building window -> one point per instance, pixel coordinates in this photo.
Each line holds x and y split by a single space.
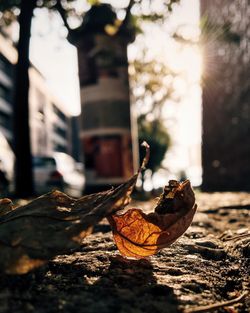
6 67
60 131
5 93
59 147
5 120
59 113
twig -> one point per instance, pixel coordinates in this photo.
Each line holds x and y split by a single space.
128 12
62 13
146 158
212 307
243 236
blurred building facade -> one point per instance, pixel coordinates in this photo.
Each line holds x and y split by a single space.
226 98
51 126
7 59
107 134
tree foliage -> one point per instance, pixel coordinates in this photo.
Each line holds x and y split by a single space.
156 135
136 10
151 83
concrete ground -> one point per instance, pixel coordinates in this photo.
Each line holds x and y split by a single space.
207 266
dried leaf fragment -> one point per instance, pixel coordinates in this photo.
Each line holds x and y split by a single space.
6 206
140 235
52 224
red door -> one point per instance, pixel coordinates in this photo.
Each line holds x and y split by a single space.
108 159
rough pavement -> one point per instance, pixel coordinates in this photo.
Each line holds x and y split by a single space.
208 265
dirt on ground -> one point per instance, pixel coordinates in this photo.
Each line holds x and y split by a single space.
207 266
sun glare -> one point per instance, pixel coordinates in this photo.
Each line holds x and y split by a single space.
192 63
187 64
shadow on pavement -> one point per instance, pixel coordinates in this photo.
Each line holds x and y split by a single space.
125 286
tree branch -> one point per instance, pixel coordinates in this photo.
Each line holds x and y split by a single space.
128 11
58 6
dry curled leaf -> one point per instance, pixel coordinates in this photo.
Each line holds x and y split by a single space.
140 235
52 224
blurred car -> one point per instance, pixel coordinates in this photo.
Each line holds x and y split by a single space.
59 171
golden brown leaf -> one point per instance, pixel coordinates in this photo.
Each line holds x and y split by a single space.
140 235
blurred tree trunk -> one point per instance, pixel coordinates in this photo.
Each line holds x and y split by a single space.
23 171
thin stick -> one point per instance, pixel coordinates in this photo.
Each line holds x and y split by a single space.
243 236
146 158
212 307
